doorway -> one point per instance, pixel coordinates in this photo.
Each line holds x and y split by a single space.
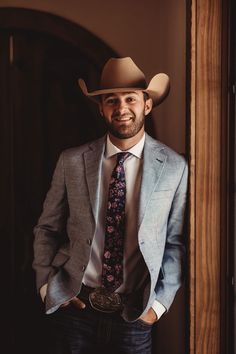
42 112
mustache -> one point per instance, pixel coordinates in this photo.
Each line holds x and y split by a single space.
125 115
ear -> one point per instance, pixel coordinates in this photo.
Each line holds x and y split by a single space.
100 109
148 106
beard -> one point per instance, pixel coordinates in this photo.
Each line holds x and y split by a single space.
125 131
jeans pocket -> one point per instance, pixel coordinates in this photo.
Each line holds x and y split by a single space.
144 323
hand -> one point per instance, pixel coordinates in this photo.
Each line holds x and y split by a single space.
76 302
150 317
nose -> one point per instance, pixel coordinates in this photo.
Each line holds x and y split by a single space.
122 107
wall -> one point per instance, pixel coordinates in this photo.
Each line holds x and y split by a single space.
153 35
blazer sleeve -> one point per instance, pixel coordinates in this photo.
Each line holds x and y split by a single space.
50 230
171 272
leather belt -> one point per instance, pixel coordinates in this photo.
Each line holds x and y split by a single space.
102 300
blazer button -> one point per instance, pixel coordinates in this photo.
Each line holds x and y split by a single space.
89 241
83 268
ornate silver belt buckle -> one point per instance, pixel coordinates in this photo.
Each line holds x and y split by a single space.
102 300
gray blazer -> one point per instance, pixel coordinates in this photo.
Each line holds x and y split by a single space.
67 225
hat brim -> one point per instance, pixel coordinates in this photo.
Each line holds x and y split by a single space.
158 89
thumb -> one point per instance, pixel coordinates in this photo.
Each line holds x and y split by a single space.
78 303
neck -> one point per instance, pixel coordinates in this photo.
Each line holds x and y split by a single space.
126 144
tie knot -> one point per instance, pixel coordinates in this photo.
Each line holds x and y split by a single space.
122 156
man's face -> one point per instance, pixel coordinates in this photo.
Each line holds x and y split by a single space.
125 113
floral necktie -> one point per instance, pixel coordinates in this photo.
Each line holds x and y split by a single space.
112 270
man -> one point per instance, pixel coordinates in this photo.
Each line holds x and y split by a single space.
108 246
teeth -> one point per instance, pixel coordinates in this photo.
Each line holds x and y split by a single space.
124 119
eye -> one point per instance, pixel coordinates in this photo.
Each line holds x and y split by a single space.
130 99
111 101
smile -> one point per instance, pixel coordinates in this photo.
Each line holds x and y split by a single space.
123 119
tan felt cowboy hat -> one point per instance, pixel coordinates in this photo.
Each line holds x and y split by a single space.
123 75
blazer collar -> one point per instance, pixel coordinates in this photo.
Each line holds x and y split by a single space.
154 159
93 165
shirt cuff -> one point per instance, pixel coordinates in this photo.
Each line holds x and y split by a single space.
159 309
43 291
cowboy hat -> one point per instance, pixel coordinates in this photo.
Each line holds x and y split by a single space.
123 75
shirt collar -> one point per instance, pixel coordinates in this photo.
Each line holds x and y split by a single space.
136 150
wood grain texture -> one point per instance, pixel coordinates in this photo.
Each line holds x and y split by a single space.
205 176
192 182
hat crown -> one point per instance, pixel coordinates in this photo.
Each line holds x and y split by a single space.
123 75
122 72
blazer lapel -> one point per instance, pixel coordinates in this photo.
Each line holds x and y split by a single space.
93 166
153 164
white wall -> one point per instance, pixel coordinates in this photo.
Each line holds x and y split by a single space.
152 32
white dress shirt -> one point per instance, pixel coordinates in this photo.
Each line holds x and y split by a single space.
135 270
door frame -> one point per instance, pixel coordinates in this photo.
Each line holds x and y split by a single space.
208 95
93 47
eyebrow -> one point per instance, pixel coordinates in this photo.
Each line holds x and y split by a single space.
114 95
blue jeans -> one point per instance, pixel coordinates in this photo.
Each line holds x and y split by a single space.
88 331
